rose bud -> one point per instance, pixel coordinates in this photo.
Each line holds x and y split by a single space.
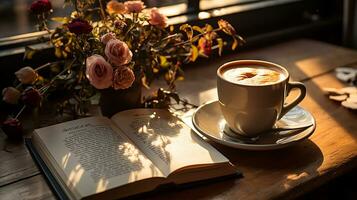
114 7
226 27
105 38
40 6
123 78
10 95
118 52
26 75
13 129
157 19
31 97
134 6
99 72
79 26
205 46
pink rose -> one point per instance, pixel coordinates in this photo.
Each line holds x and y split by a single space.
123 78
105 38
10 95
99 72
114 7
118 52
134 6
157 19
26 75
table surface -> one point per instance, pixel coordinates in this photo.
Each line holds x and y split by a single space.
330 152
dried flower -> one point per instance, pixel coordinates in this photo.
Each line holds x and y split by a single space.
13 129
114 7
11 95
123 78
99 72
118 52
226 27
157 19
107 37
40 6
26 75
119 24
31 97
134 6
79 26
205 46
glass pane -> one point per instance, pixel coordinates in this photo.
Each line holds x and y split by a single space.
210 4
15 18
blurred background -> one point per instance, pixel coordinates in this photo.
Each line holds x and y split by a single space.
260 22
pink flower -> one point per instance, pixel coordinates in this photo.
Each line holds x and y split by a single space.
13 129
10 95
79 26
114 7
40 6
107 37
118 52
123 78
99 72
157 19
31 97
26 75
134 6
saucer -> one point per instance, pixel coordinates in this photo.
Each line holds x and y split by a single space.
209 121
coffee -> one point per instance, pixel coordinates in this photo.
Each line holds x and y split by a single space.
251 95
253 75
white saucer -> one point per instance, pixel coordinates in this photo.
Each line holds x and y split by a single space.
209 121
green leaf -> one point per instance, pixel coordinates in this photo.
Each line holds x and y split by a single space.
194 53
188 30
235 43
220 46
62 20
29 52
198 29
144 82
163 62
208 28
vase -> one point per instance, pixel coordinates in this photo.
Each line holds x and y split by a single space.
112 101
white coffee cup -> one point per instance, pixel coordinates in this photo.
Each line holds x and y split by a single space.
250 109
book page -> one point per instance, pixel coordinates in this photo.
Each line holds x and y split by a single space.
166 140
93 156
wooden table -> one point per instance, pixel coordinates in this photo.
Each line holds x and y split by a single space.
330 152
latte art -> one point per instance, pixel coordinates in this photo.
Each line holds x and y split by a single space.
253 75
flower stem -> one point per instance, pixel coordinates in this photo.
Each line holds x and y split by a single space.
102 12
197 36
19 113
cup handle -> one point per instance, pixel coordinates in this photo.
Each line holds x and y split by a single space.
297 100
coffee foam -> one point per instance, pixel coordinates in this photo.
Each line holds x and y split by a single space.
253 75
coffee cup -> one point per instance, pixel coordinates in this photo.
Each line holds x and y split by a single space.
252 95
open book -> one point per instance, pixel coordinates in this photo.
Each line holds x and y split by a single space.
133 152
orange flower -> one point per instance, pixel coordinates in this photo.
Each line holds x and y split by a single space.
226 27
205 46
114 7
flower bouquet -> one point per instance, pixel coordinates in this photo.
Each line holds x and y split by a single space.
112 46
